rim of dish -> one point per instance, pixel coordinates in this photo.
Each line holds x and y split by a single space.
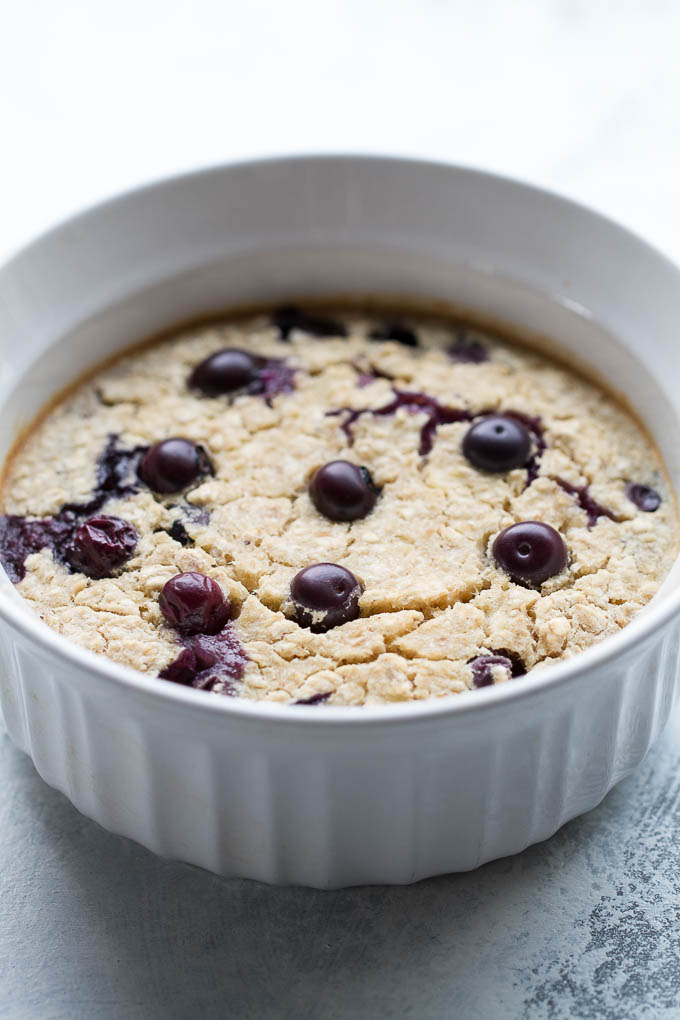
652 619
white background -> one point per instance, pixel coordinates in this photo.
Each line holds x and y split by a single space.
582 96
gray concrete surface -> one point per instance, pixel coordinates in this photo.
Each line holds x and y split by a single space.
585 925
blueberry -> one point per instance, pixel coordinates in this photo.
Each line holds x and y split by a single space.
194 604
643 497
342 491
100 546
497 443
482 666
225 371
208 662
398 333
466 351
530 552
173 465
482 669
291 317
325 595
179 533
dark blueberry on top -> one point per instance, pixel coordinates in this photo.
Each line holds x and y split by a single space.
342 491
466 351
497 443
482 666
644 498
530 552
194 604
179 533
482 669
225 371
208 662
291 317
397 332
173 465
325 595
100 546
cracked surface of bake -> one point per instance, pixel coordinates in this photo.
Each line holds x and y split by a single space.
434 600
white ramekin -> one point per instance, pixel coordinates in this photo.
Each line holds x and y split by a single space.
334 797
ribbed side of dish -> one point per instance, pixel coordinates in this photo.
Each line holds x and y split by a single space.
341 806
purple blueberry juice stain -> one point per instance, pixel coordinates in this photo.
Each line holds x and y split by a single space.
274 377
414 402
208 661
315 699
116 478
19 538
593 509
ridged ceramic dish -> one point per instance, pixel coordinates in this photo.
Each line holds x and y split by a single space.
342 796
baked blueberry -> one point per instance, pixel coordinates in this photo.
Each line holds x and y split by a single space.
194 604
466 351
497 443
483 666
173 465
397 332
643 497
179 533
325 595
208 662
530 552
342 491
315 324
100 546
225 371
